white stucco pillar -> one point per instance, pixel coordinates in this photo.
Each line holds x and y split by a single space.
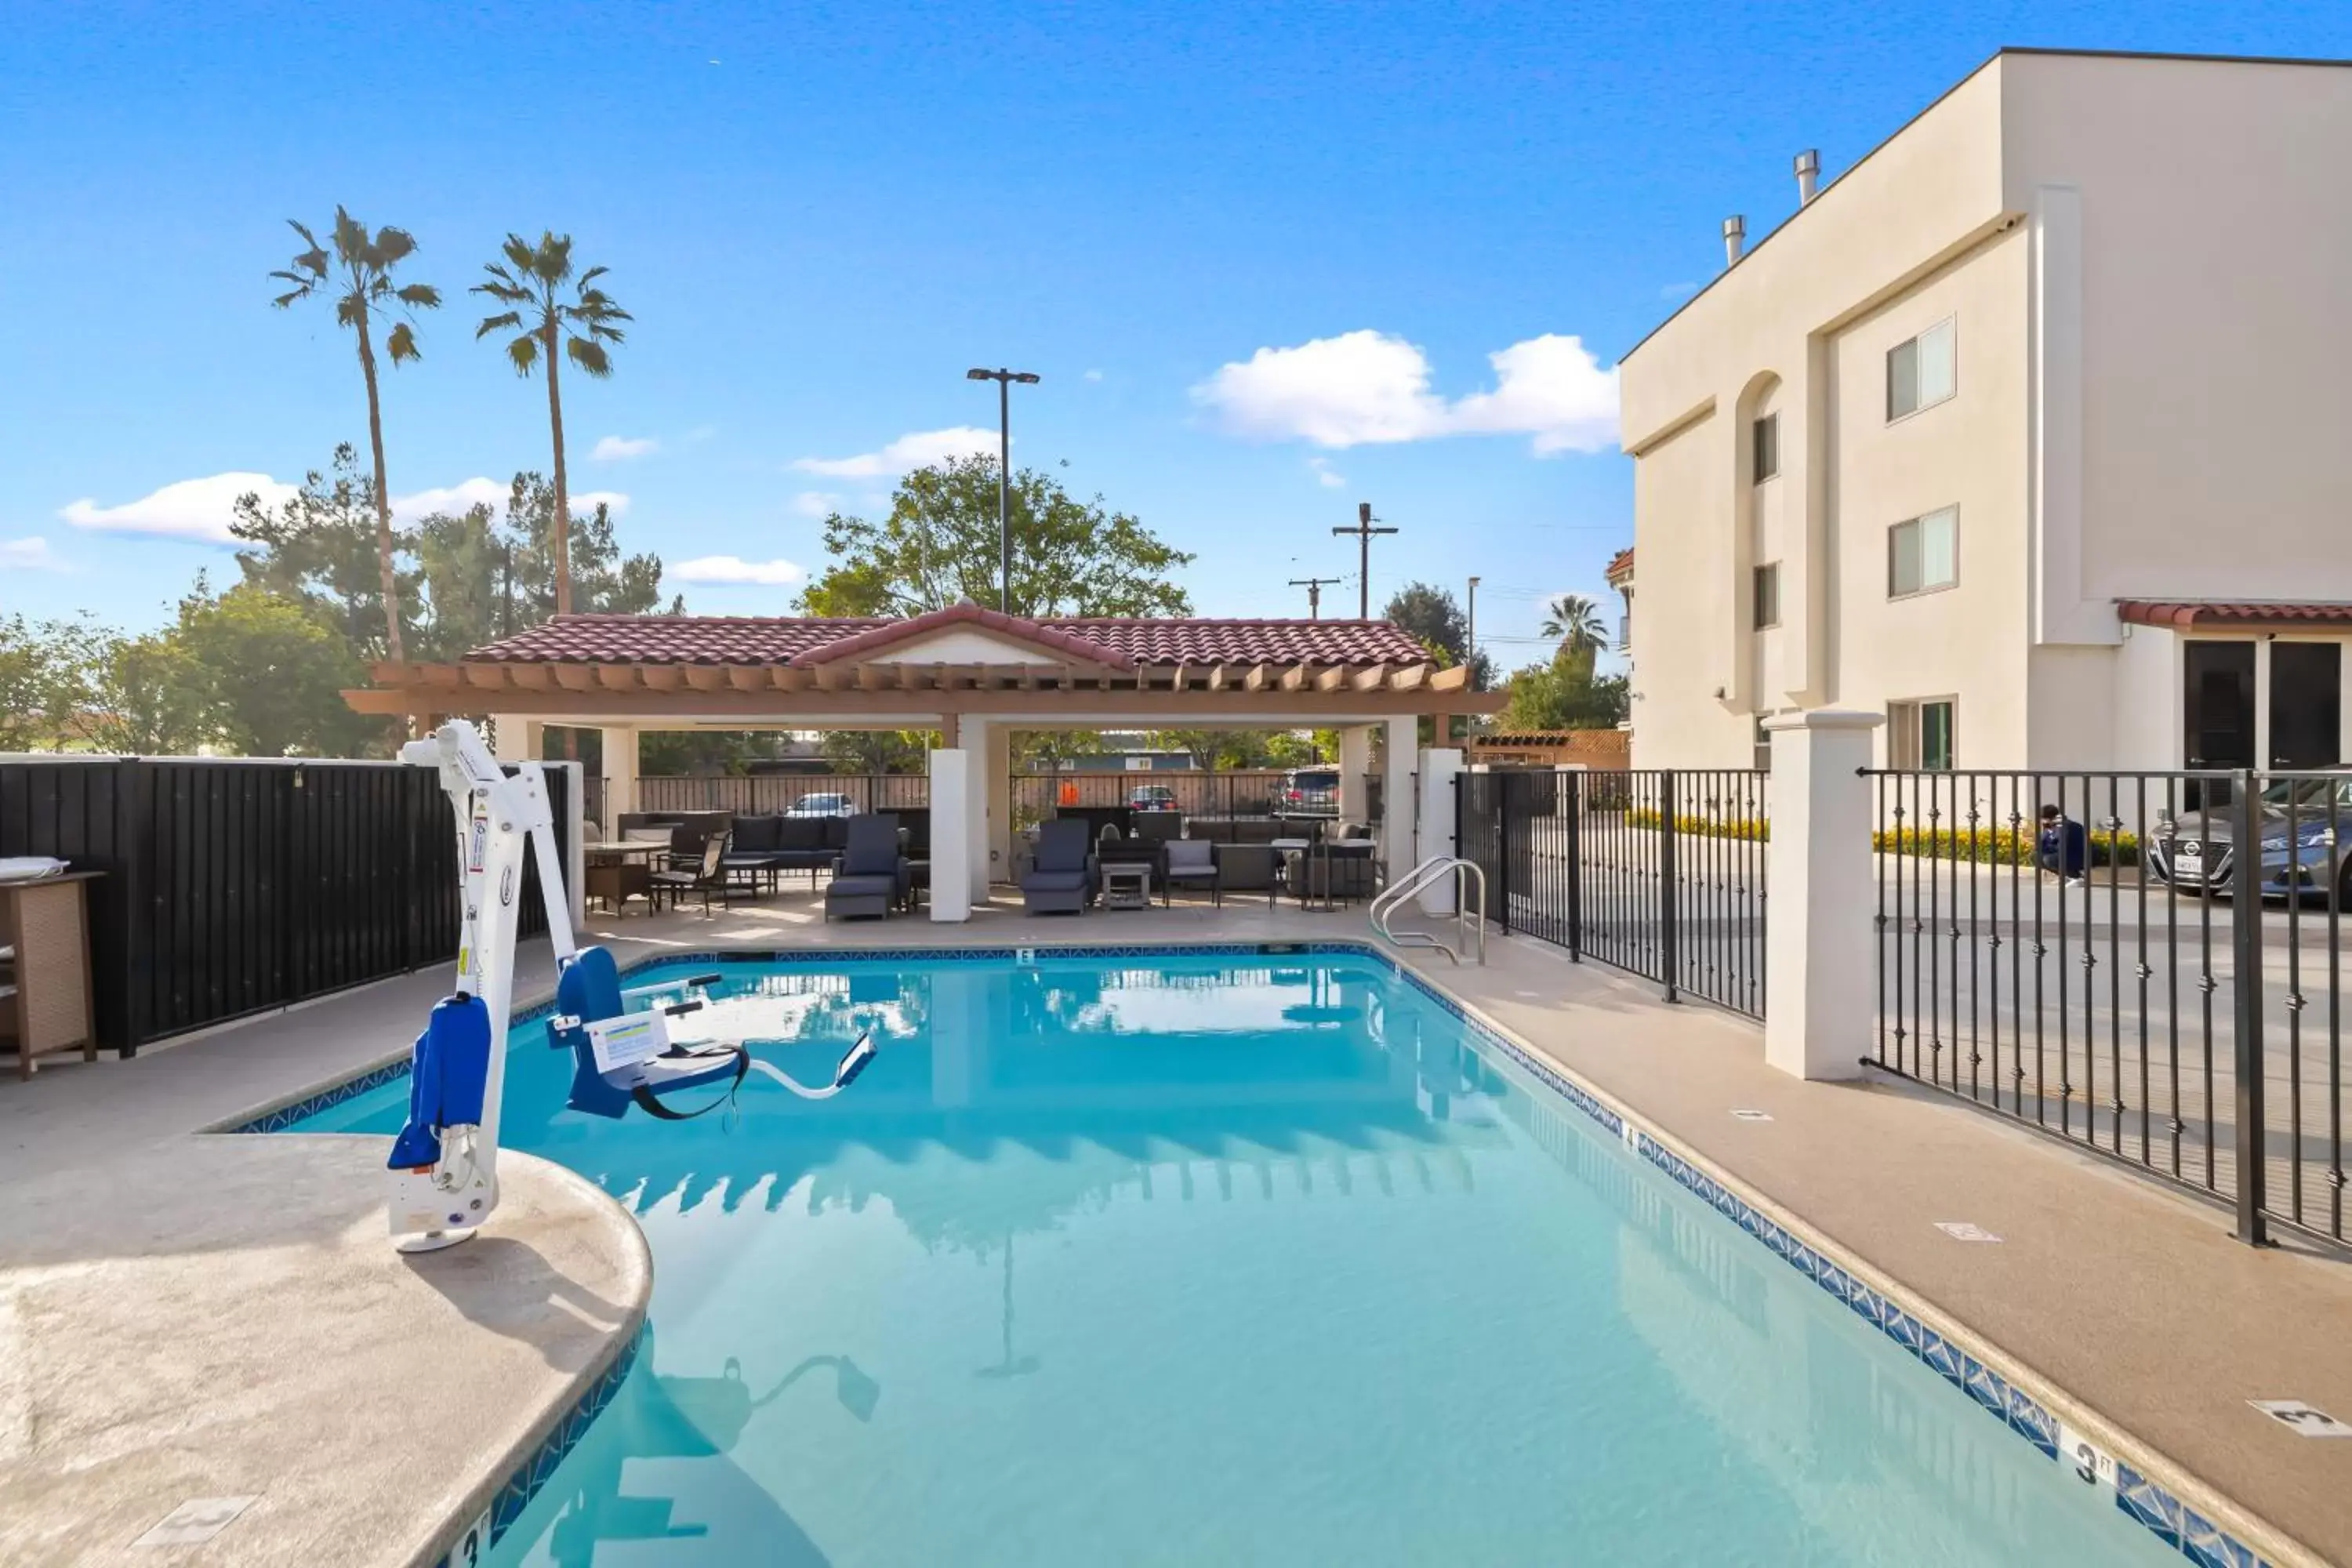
515 739
1355 772
1403 750
620 775
1818 943
1000 804
1440 766
952 834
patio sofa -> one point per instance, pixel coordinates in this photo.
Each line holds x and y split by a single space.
772 845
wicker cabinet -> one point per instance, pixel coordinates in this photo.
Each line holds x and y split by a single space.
45 981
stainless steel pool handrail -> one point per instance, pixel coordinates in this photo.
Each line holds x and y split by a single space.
1469 917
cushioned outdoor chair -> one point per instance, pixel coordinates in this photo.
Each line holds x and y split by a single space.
870 877
1062 879
706 875
1190 863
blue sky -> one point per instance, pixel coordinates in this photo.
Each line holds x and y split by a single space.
1264 255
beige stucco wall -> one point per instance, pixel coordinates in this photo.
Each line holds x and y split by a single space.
2141 256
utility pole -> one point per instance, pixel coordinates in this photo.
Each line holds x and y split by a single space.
1004 380
1470 635
1314 586
1363 530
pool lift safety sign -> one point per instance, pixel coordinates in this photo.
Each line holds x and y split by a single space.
444 1163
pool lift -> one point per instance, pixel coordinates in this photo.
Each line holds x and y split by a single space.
444 1163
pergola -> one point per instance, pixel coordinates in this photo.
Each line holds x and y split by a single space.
975 675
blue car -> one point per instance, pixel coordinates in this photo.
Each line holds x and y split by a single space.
2306 842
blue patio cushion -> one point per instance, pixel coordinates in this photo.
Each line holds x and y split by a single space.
1054 881
862 886
1062 846
758 835
871 847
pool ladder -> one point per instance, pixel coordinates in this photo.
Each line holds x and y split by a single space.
1469 918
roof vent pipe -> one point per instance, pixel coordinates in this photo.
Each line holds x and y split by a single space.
1735 234
1808 176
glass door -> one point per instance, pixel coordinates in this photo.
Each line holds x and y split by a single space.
2306 704
2217 713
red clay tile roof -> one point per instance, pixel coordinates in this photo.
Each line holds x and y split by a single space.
1115 640
874 640
2148 612
1619 565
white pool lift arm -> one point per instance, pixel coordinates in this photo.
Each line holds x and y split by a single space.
496 816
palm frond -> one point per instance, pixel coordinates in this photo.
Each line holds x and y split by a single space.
350 311
285 300
523 354
420 297
350 237
604 334
402 344
510 320
553 264
393 245
516 252
590 277
589 356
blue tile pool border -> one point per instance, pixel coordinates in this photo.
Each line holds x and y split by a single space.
1994 1389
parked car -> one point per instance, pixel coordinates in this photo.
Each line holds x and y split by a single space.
1151 797
1308 792
824 806
2199 853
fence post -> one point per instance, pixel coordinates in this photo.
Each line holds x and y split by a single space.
1670 947
1574 789
1820 951
2246 961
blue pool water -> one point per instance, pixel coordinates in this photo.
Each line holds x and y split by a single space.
1197 1259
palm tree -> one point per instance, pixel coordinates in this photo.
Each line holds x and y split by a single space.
360 267
1576 621
531 286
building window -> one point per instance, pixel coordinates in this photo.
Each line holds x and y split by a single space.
1762 753
1765 433
1923 553
1922 734
1768 595
1922 371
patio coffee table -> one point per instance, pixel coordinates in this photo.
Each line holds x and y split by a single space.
1126 885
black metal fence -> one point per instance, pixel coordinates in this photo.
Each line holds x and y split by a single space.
1660 872
2119 973
774 795
236 886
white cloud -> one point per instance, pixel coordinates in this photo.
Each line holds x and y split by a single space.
816 503
32 554
1365 387
1324 476
194 510
913 452
619 448
734 571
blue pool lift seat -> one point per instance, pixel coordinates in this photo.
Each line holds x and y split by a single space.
589 990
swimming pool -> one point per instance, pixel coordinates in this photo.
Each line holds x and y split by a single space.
1230 1257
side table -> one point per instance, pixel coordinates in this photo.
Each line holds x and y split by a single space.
1126 885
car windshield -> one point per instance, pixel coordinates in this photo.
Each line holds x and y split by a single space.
2307 794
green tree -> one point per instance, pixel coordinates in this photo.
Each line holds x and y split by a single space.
531 284
939 545
1576 621
877 751
45 681
1437 620
323 547
272 674
363 293
1564 694
148 697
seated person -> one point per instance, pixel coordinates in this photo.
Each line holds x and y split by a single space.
2064 849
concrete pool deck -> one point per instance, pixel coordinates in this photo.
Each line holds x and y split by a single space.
2127 1299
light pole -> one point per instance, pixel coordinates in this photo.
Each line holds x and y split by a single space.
1470 654
1004 380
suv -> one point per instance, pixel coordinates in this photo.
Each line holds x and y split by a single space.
824 806
1308 792
1151 797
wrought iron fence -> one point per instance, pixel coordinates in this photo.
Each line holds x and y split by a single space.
232 886
775 794
1660 872
2095 955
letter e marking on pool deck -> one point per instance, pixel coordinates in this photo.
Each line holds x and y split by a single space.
2304 1420
195 1521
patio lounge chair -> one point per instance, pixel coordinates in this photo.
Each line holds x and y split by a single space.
1062 879
870 877
707 875
1191 863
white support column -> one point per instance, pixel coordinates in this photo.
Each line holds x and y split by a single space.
1440 766
1000 804
620 775
1818 944
572 833
515 739
952 834
1404 749
1355 772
